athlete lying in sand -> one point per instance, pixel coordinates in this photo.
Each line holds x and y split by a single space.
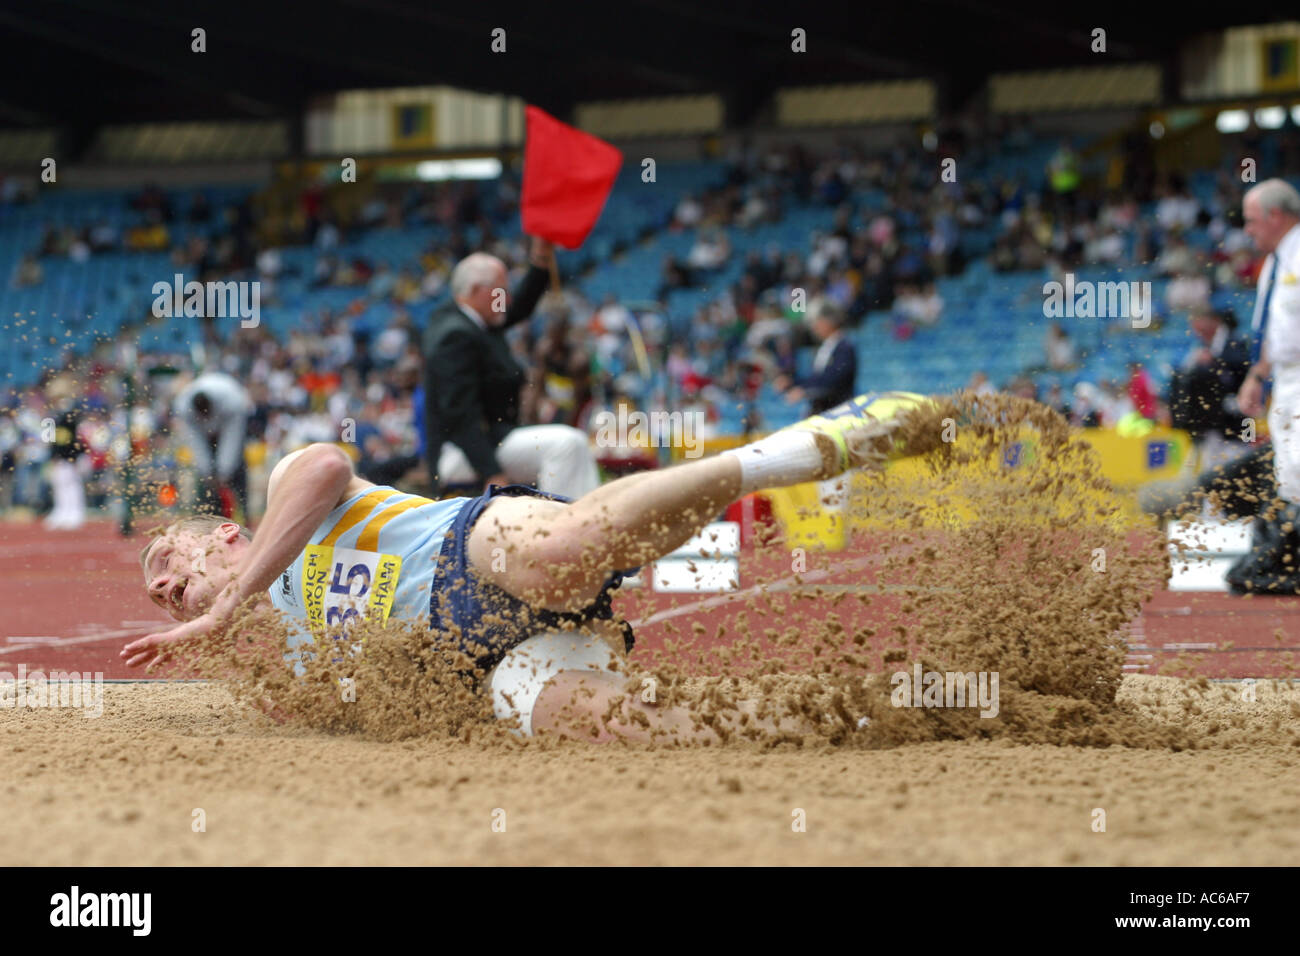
333 546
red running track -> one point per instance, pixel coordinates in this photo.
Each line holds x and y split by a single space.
71 600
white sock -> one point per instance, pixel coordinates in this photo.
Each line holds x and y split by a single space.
781 459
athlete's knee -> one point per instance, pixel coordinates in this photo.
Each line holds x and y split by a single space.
576 704
561 682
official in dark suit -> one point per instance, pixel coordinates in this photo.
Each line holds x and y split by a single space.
835 366
472 384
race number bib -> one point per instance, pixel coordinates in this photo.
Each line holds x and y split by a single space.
341 585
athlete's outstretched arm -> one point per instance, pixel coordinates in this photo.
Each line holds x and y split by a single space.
315 481
304 487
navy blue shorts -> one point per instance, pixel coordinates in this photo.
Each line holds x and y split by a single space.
485 620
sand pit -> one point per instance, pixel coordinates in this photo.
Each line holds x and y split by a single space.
1028 571
123 788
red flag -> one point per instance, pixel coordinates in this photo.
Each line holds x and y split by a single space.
567 178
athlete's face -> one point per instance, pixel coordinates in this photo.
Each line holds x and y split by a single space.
186 570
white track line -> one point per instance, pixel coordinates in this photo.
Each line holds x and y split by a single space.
784 584
82 639
54 548
65 642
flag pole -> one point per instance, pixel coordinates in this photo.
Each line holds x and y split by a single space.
555 272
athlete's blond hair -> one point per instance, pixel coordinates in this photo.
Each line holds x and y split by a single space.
199 524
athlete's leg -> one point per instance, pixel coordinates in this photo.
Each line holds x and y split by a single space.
559 556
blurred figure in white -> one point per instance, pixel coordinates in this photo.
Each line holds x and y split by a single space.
919 306
66 483
213 413
979 384
1058 348
1085 410
711 251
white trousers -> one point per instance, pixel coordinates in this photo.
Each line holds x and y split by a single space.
1284 427
69 496
556 458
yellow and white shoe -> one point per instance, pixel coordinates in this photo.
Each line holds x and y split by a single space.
860 432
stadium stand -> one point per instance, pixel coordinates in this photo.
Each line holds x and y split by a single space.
945 282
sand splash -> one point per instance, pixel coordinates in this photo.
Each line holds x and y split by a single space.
997 549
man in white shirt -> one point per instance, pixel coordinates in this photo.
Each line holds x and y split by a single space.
1272 214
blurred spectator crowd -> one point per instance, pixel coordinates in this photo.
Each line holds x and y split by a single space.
893 229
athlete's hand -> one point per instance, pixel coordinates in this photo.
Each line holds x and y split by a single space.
154 647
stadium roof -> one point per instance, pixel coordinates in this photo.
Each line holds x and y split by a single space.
81 63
